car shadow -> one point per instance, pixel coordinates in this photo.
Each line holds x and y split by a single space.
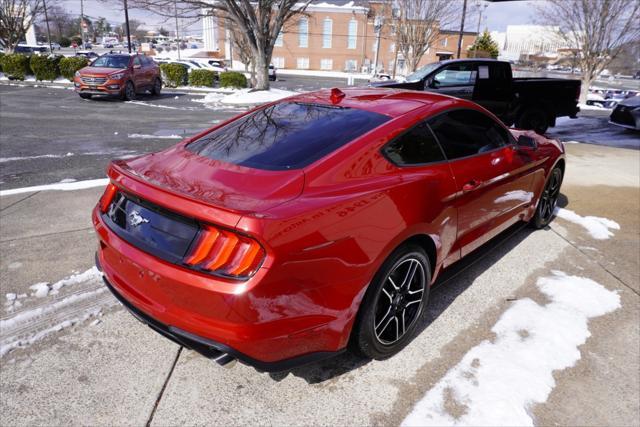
139 97
450 284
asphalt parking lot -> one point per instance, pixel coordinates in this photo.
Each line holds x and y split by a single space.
82 359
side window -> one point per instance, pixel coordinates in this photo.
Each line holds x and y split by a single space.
465 133
456 75
417 146
136 61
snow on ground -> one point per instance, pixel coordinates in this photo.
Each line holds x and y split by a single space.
497 382
596 226
28 326
145 136
41 156
253 97
61 186
316 73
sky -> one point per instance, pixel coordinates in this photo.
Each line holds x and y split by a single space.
496 16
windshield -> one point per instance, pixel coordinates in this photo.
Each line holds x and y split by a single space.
286 136
111 62
422 72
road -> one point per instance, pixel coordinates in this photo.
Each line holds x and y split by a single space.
82 359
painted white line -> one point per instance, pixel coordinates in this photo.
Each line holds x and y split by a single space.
60 186
497 382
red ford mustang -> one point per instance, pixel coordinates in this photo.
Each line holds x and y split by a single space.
315 223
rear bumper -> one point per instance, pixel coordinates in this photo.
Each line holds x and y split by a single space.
216 351
269 324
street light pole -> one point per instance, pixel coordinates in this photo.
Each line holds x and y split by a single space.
82 21
46 18
175 6
126 21
377 25
464 12
481 8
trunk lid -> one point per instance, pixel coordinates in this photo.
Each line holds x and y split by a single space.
233 188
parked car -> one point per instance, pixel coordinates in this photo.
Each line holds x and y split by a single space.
627 113
273 76
529 103
87 54
320 221
27 50
107 45
56 46
636 75
119 75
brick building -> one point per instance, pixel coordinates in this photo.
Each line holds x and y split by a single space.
338 36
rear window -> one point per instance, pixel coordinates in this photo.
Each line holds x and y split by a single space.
286 136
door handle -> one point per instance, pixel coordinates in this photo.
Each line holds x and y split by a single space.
471 185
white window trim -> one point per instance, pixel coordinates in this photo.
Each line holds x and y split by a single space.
327 36
303 35
279 40
353 36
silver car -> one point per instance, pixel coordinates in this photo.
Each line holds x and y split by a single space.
627 113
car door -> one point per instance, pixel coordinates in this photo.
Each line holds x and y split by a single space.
138 73
428 184
493 181
493 89
456 79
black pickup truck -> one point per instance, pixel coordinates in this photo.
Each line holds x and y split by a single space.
529 103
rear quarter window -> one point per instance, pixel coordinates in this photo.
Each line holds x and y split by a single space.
285 136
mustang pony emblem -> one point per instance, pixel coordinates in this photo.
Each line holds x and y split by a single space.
135 219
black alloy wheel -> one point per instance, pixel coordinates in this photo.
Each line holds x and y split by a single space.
548 199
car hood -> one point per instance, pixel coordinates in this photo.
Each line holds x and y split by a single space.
100 70
634 101
223 185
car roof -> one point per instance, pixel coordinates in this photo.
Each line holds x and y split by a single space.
390 102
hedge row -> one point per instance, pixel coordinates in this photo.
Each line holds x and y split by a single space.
43 67
174 75
233 79
202 78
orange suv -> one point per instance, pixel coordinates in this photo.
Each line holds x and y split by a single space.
119 75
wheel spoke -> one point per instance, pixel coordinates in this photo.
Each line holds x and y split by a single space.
397 327
393 283
388 295
388 320
404 326
411 272
411 303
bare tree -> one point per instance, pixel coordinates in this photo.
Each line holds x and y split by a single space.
16 17
417 24
259 21
60 20
598 28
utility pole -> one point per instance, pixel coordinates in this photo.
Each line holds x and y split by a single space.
46 18
82 22
175 6
377 25
481 8
464 12
126 23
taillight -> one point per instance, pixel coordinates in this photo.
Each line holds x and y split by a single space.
107 197
226 253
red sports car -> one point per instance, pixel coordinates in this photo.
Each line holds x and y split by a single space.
315 223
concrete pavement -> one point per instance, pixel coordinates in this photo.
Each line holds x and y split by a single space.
111 370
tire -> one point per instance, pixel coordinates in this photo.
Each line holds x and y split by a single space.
157 87
391 312
535 119
548 200
129 92
85 95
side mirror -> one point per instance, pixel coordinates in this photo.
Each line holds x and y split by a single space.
527 142
136 66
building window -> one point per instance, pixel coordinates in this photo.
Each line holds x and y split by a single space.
444 41
392 47
351 65
277 61
303 63
279 40
353 34
327 29
303 32
326 64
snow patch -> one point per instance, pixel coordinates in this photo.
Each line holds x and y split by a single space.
42 289
496 383
596 226
61 186
249 97
42 156
145 136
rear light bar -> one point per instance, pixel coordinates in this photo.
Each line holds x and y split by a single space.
107 197
225 253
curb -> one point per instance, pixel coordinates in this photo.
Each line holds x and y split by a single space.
47 84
